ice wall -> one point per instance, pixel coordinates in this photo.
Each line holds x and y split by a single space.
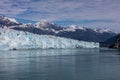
11 39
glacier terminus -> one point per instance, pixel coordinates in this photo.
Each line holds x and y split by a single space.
17 40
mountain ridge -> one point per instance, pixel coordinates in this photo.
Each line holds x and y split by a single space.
72 31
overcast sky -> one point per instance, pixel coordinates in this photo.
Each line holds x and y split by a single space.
88 13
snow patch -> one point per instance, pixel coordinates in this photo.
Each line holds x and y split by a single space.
11 19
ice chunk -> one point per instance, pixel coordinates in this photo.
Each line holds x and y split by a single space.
11 39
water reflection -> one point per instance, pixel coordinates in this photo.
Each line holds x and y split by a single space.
67 64
119 52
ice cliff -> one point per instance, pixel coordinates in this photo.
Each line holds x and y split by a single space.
12 40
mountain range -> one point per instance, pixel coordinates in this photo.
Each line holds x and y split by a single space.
49 28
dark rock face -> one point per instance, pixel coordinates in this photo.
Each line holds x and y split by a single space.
116 45
108 42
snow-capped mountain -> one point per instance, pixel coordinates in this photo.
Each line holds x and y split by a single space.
5 21
72 31
48 26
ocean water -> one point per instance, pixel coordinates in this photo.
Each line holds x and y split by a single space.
60 64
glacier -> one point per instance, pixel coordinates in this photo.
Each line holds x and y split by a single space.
18 40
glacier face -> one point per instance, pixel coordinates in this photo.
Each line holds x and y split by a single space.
12 40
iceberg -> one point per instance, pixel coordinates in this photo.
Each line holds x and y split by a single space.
17 40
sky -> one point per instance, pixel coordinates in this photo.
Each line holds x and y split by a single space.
88 13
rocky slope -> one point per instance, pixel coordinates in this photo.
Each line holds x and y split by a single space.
116 45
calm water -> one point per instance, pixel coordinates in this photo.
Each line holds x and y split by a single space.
61 64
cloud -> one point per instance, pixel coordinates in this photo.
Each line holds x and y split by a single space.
11 8
83 11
